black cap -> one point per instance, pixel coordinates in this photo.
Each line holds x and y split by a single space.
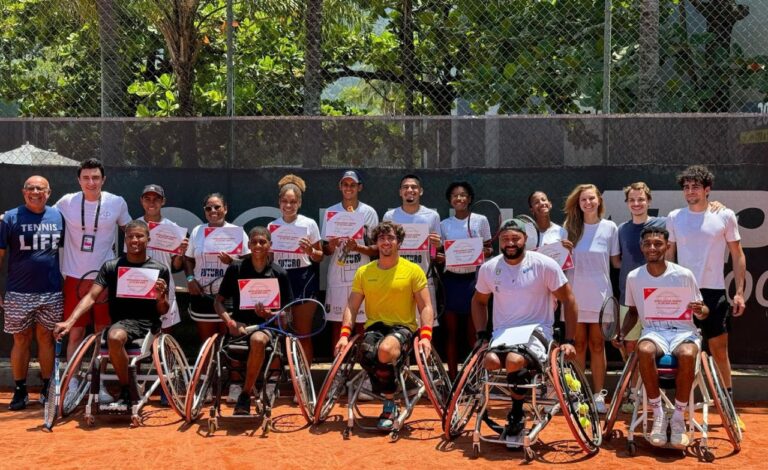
154 188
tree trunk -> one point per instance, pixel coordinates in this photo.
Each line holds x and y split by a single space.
648 57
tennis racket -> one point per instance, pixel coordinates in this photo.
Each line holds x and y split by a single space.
54 391
84 286
433 272
211 289
492 212
609 318
285 321
530 226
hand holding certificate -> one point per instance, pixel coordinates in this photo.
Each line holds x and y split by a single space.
464 252
136 283
223 240
166 237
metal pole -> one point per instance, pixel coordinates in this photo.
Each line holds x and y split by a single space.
230 62
607 27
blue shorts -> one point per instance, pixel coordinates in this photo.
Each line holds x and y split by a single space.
305 282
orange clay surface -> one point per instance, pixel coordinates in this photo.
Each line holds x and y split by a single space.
165 441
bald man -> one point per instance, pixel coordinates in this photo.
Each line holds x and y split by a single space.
33 303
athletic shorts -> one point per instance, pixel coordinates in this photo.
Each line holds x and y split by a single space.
23 310
136 329
718 321
403 334
634 333
535 347
589 316
201 309
305 282
98 315
336 298
458 291
667 340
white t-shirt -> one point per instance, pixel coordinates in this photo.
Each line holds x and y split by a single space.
675 276
522 294
297 260
590 277
702 241
456 229
208 267
166 259
342 275
113 213
553 234
423 216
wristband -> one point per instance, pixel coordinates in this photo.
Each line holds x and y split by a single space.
345 331
190 278
425 332
572 342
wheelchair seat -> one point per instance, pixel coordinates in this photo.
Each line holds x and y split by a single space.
667 368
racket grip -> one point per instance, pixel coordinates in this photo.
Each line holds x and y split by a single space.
432 251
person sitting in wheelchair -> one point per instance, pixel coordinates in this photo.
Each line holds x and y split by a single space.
664 296
523 285
389 286
133 318
255 266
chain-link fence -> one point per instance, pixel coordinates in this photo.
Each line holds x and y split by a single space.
142 58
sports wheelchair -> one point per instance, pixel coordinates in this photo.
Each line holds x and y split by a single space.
343 376
707 384
558 385
154 361
222 357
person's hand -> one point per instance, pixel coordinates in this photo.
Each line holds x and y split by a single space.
182 248
350 244
334 243
697 307
225 258
716 206
61 329
617 343
567 244
340 345
426 345
738 305
194 288
569 350
235 328
263 312
434 240
161 289
306 246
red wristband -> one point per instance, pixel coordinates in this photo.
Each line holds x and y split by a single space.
346 331
425 332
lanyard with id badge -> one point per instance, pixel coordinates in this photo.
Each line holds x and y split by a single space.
88 241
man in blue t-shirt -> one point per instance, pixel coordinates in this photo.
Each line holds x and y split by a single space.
33 302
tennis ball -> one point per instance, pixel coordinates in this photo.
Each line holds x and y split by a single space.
585 423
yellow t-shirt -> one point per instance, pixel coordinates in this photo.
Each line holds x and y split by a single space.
389 293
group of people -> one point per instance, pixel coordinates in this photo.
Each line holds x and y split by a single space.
381 275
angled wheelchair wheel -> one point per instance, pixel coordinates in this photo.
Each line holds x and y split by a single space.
173 371
434 376
465 396
335 382
622 385
722 399
202 377
301 378
78 369
576 401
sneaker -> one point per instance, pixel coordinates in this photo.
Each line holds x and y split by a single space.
123 403
243 405
105 398
71 394
678 437
43 398
19 400
600 401
659 430
513 430
234 393
627 407
387 416
163 398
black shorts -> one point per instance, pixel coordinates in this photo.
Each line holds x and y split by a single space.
402 333
305 282
136 330
459 289
719 320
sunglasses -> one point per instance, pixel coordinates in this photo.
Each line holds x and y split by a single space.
212 208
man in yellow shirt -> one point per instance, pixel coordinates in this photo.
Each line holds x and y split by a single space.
390 286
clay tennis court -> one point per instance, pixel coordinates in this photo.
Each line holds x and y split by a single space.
165 440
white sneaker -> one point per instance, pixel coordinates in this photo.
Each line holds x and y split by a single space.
71 394
600 401
234 391
105 397
678 436
659 430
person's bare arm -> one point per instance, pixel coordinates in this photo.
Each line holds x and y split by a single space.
739 276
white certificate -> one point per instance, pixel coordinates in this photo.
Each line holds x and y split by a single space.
416 237
344 225
667 303
464 252
166 237
512 336
259 291
559 253
285 238
226 239
136 283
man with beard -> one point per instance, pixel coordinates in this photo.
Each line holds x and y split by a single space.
522 284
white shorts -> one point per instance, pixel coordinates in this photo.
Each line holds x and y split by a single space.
336 298
588 316
534 346
667 340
